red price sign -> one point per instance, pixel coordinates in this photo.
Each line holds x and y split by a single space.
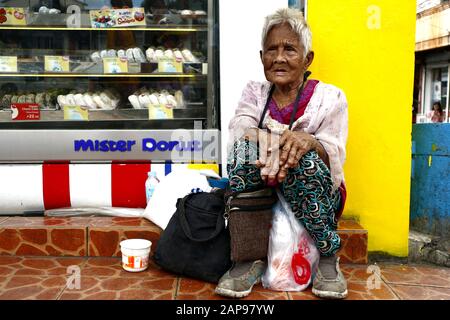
25 111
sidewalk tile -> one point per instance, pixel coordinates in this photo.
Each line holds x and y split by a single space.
191 289
421 292
416 274
356 291
303 295
349 225
112 267
355 272
105 240
38 266
118 222
353 247
31 287
117 288
36 241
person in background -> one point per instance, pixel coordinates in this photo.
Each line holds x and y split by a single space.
437 114
306 164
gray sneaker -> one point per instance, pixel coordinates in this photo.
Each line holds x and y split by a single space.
329 282
240 279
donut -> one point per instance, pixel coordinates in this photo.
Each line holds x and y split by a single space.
121 54
150 54
168 53
162 99
129 54
134 101
172 101
158 54
79 101
144 100
61 100
89 102
153 99
111 53
70 99
178 55
98 101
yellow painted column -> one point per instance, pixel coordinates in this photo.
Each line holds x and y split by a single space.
367 49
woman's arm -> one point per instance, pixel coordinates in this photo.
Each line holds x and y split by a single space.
328 140
247 112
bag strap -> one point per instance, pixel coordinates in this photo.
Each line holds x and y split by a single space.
181 204
296 103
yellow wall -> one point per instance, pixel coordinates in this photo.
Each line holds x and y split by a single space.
366 47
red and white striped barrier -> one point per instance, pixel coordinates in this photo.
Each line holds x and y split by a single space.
38 187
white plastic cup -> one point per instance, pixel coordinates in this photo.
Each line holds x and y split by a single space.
135 254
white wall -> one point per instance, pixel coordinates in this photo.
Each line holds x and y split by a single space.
241 24
433 26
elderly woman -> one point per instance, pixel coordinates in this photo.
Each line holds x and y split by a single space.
298 129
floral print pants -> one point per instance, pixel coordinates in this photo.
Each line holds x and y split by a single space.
307 188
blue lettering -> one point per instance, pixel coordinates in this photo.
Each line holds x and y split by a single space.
84 145
113 146
162 146
151 145
148 144
173 144
183 146
121 146
103 145
196 145
130 143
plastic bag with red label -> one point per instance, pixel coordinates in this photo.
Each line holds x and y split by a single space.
292 256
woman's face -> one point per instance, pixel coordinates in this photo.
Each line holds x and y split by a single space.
283 56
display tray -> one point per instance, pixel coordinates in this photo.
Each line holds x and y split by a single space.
154 21
117 114
91 68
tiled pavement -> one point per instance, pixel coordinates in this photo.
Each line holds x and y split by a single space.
101 236
39 254
74 236
48 278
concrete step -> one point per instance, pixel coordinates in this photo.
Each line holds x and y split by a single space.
101 236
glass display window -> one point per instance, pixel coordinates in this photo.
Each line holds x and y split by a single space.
136 64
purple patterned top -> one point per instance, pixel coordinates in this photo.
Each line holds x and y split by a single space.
284 115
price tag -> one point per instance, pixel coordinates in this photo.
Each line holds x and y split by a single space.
75 113
159 112
13 16
56 63
8 64
113 18
115 65
25 111
170 65
204 68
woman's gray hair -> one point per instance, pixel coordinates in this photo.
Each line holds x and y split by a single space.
297 22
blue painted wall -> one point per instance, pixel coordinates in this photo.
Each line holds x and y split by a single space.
430 179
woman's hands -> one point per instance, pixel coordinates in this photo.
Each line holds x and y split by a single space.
293 145
268 149
277 154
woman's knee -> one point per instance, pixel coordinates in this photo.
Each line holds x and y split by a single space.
310 168
243 152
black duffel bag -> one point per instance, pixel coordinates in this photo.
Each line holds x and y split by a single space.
196 243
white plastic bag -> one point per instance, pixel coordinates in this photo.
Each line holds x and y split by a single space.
177 184
292 255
